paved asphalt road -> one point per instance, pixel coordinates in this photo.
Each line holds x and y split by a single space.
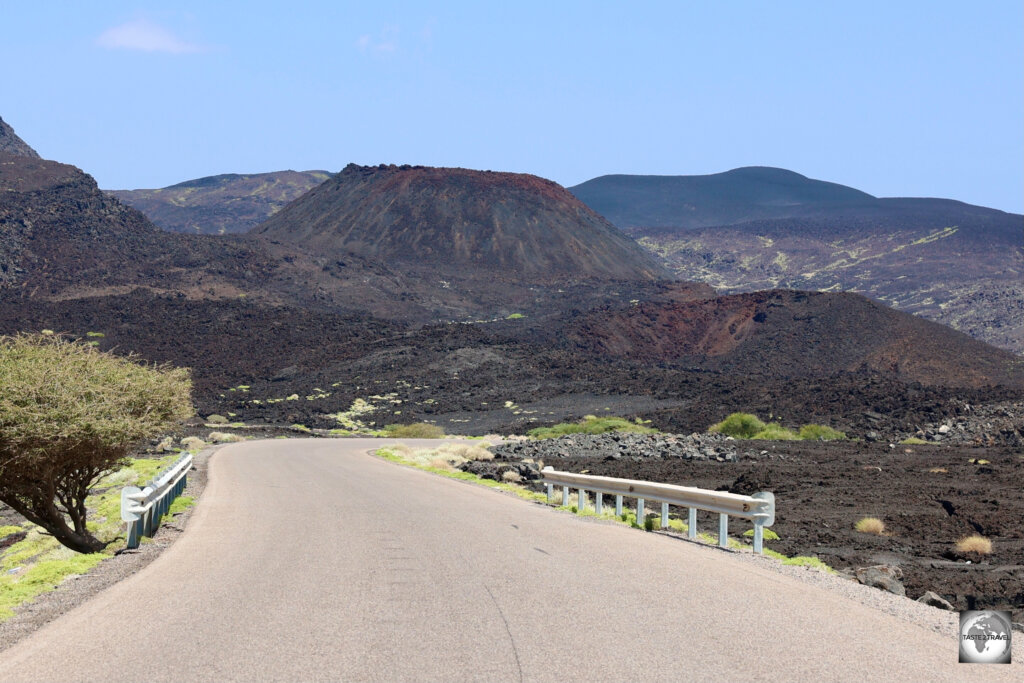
309 560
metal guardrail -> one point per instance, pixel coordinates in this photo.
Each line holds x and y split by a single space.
758 508
143 508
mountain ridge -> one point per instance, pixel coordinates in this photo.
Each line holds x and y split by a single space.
10 143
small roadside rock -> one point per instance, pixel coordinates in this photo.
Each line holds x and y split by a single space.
882 576
935 600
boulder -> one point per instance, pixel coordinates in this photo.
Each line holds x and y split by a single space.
935 600
882 576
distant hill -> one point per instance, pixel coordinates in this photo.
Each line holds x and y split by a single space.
221 204
468 224
10 143
758 228
694 201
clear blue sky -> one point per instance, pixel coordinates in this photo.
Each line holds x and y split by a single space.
894 98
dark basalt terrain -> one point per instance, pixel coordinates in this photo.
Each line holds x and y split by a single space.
10 143
476 225
758 228
222 204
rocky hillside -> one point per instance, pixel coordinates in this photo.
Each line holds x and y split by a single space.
468 224
63 238
10 143
787 334
221 204
753 229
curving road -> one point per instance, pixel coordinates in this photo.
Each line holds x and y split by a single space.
310 560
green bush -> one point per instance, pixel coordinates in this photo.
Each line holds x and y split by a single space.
739 426
773 431
69 414
591 425
416 430
813 432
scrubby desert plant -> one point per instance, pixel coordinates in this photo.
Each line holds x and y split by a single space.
591 424
813 432
870 525
974 544
69 414
776 432
739 426
416 430
511 476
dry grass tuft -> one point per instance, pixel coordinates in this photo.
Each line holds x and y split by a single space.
870 525
441 464
938 470
974 544
511 476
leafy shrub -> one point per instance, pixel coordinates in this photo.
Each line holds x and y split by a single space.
739 426
69 414
416 430
870 525
974 544
813 432
591 424
776 432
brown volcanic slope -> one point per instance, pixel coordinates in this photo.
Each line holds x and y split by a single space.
221 204
476 224
789 334
760 228
10 143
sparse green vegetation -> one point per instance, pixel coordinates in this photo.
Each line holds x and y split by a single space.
41 577
804 561
747 426
68 416
739 426
773 431
591 424
768 534
416 430
515 316
813 432
913 441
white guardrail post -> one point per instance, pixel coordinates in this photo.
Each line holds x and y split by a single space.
143 508
759 508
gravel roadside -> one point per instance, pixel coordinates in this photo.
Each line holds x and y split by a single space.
77 589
